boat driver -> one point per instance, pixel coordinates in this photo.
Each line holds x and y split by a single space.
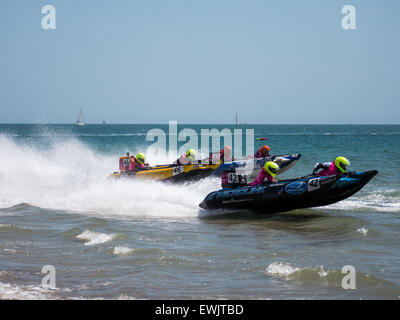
188 158
269 171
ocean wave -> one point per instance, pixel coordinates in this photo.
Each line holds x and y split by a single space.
286 270
93 238
72 135
19 292
363 231
373 201
122 250
281 269
17 208
319 275
15 229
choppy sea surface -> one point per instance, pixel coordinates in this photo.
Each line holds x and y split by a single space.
149 240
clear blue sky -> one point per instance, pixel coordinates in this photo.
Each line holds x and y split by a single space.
200 61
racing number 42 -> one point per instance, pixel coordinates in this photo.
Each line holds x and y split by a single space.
313 184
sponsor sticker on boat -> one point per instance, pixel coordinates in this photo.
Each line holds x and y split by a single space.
326 180
296 187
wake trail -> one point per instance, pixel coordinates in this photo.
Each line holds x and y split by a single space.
71 176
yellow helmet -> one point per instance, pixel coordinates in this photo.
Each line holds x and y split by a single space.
271 168
191 154
140 158
341 163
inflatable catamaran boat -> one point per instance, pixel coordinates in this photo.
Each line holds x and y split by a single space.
191 172
286 195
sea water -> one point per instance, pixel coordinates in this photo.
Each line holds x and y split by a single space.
150 240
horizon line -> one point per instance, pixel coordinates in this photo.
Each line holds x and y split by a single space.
232 124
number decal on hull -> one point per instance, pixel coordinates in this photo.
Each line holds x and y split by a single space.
177 170
313 184
233 178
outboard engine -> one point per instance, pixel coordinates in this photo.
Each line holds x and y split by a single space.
231 179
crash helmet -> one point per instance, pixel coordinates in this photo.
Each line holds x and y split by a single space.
271 168
191 154
265 150
140 158
341 163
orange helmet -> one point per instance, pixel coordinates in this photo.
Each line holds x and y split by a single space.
265 150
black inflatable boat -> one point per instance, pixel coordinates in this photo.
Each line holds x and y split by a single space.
286 195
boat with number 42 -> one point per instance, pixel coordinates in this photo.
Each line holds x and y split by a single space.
286 195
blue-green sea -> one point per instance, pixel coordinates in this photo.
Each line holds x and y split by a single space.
127 239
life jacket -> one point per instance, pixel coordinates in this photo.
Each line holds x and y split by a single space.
261 176
331 171
258 153
138 165
183 159
228 155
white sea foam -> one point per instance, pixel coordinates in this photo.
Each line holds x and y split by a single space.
93 238
281 269
9 250
363 230
63 135
17 292
122 250
286 270
125 297
71 176
379 200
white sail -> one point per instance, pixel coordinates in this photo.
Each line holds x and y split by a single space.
79 121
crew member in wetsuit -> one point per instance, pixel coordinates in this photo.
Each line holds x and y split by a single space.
139 162
188 158
269 171
338 166
262 152
225 154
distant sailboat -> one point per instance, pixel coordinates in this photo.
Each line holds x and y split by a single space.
79 121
